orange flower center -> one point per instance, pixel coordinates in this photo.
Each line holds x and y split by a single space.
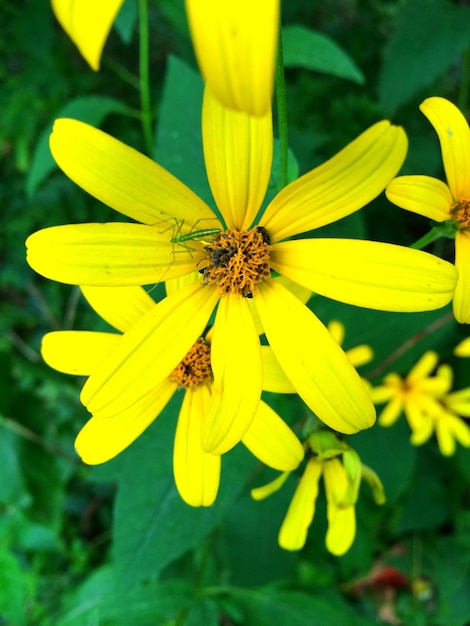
461 214
195 368
238 261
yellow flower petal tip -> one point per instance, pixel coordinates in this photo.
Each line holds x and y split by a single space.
235 44
87 23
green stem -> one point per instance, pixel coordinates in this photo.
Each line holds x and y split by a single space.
433 235
464 89
281 105
145 76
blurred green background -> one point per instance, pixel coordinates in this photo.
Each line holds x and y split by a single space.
114 544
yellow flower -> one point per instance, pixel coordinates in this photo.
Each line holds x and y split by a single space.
236 266
235 43
427 405
87 23
342 472
440 202
196 472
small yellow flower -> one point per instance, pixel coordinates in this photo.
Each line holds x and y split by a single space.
196 472
236 265
342 472
235 43
427 404
87 23
440 202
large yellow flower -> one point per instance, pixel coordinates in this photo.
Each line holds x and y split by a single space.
196 472
342 472
236 265
87 23
235 43
427 404
440 202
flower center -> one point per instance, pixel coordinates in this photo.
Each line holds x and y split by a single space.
461 214
195 368
238 261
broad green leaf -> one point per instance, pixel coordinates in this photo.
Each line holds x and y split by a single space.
427 39
126 20
153 526
15 588
179 140
90 109
305 48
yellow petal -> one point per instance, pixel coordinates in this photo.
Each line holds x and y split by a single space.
237 369
360 355
444 436
238 153
274 378
235 44
87 23
423 195
107 255
174 284
312 360
197 473
272 441
149 351
370 274
461 302
391 412
341 519
119 306
77 352
337 331
459 402
454 136
423 367
102 439
463 348
125 179
260 493
342 185
293 533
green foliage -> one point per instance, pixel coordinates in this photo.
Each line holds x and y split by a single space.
114 545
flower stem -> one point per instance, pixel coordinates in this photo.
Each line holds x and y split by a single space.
146 111
433 235
281 105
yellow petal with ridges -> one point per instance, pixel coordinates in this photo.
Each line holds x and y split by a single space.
238 152
461 303
423 195
271 441
121 307
339 187
237 370
274 378
312 360
77 352
235 45
107 255
102 439
293 533
197 474
149 351
454 136
341 519
125 179
370 274
87 23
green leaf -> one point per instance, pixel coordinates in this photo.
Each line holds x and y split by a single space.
153 526
14 591
179 138
126 20
90 109
266 607
428 37
305 48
